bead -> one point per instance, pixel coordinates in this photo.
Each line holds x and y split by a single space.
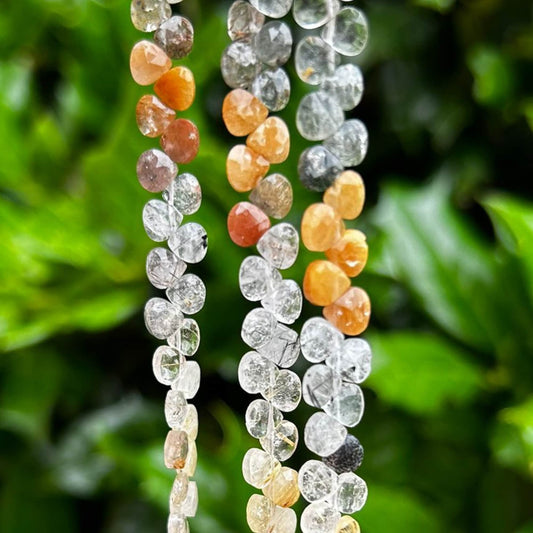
282 441
181 141
352 493
160 220
351 312
153 116
347 458
258 328
163 268
242 112
273 195
187 339
256 373
176 37
347 32
179 492
190 506
188 294
318 427
148 63
246 224
324 282
347 406
317 481
345 85
245 167
285 301
347 525
176 449
286 391
155 170
189 242
353 362
319 116
272 8
261 416
273 88
259 512
190 422
346 195
282 489
166 365
310 14
177 524
320 385
244 20
161 318
350 252
319 517
257 278
318 168
176 88
271 140
279 245
258 467
188 381
321 227
314 60
273 43
284 520
185 194
284 348
349 143
239 64
320 340
147 15
192 459
175 409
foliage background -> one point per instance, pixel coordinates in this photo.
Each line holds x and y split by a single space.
449 424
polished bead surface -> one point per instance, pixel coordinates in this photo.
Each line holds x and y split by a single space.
166 365
347 406
317 481
350 252
239 64
262 417
285 301
189 242
319 517
242 112
163 268
176 37
187 338
347 32
188 294
256 373
153 116
147 15
284 348
274 43
310 14
347 458
320 340
244 20
176 449
160 220
324 282
284 520
155 170
279 245
285 392
185 194
322 227
347 525
258 467
319 116
257 278
175 409
192 459
273 88
259 513
353 362
351 312
320 385
148 63
177 524
349 143
181 141
282 441
176 88
162 318
282 489
314 60
352 493
318 168
179 491
345 85
318 425
246 224
347 195
245 167
273 195
272 8
188 381
258 327
271 140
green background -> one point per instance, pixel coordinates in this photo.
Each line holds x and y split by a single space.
448 429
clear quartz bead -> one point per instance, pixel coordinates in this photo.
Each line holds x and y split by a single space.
239 64
176 37
257 278
314 60
175 409
346 86
261 417
192 459
189 242
147 15
272 8
282 441
188 294
189 423
273 43
348 405
349 143
163 268
162 318
310 14
166 365
185 193
285 392
320 341
190 506
279 245
259 513
318 168
347 33
285 301
284 520
273 88
160 220
353 361
243 20
258 328
319 517
258 467
256 373
187 339
317 481
177 524
319 116
320 385
179 492
284 348
351 493
188 381
323 435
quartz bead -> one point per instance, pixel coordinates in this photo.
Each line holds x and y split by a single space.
258 467
185 194
176 449
324 282
190 506
187 339
176 37
283 349
188 381
155 170
259 513
318 168
351 312
350 252
284 520
258 328
319 116
243 20
181 141
160 220
353 362
279 245
176 88
261 417
256 373
345 85
349 143
246 224
347 32
273 195
153 116
188 294
285 301
177 524
242 112
192 459
282 489
320 425
161 317
179 492
282 441
257 278
163 268
272 8
317 481
273 88
347 458
351 493
319 517
245 167
286 391
239 64
273 43
190 422
347 406
147 15
310 14
320 340
320 385
347 525
322 227
175 409
347 195
189 242
148 63
271 140
166 365
314 60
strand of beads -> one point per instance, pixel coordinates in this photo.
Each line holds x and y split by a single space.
251 66
339 364
157 171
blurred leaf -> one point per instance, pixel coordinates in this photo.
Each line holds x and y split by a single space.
438 5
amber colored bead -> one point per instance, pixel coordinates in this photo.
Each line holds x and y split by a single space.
271 139
283 489
246 224
351 312
148 62
176 88
245 168
153 117
324 282
347 525
322 227
350 252
242 112
181 141
347 195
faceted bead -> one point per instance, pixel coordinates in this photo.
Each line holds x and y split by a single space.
192 459
258 467
179 492
279 245
350 252
147 15
161 317
261 417
286 391
284 520
319 517
271 140
324 282
163 268
282 489
242 112
187 339
347 32
283 349
347 195
347 406
310 14
153 116
176 37
351 312
258 328
274 43
166 365
319 116
322 227
320 385
318 426
190 422
176 449
246 224
273 88
273 195
148 63
272 8
314 60
257 278
347 458
243 20
190 505
181 141
349 143
285 301
245 167
160 220
175 409
282 441
346 86
317 481
189 242
320 340
259 512
256 373
176 88
177 524
353 362
188 294
351 494
188 381
347 525
185 194
239 64
318 168
155 170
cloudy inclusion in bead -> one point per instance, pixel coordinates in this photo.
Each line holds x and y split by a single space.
321 424
282 441
188 293
346 86
261 417
187 339
257 278
351 494
256 373
258 328
163 268
353 361
320 385
284 348
349 143
286 391
166 365
320 340
273 88
316 481
161 317
273 43
185 193
239 64
160 220
279 245
243 20
314 60
272 8
285 301
319 116
189 242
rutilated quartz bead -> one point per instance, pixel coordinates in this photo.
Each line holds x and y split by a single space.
245 167
350 252
246 224
259 512
283 489
271 140
176 449
322 227
148 62
153 117
273 195
346 195
350 313
176 88
324 282
181 141
242 112
347 525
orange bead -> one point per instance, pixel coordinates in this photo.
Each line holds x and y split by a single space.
271 139
246 224
350 252
153 117
322 227
148 63
245 168
324 282
176 88
181 141
347 195
242 112
351 312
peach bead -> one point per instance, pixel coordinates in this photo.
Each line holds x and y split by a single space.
350 313
271 139
148 62
181 141
347 195
176 88
153 117
322 227
246 224
350 252
242 112
324 282
245 168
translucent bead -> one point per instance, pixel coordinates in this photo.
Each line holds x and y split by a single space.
176 37
258 467
318 168
166 365
317 481
314 60
272 8
189 424
284 520
187 339
323 435
282 489
259 512
273 88
324 282
284 348
188 293
347 32
179 491
148 62
279 245
271 140
175 409
346 86
188 381
285 301
185 194
163 268
162 318
347 525
349 143
286 391
257 278
320 340
242 112
261 417
310 14
353 362
243 20
282 441
347 406
192 459
322 227
351 312
319 517
239 64
153 116
190 506
319 116
256 373
351 494
176 449
347 458
160 220
347 197
147 15
273 195
273 43
177 524
189 242
320 385
258 328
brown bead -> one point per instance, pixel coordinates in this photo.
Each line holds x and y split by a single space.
347 195
350 252
176 449
271 139
324 282
322 227
181 141
153 116
246 224
273 195
347 525
245 168
148 62
351 312
283 489
242 112
176 88
155 170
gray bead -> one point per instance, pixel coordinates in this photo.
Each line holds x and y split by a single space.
239 64
319 116
176 37
273 88
318 168
349 143
348 458
273 43
345 86
243 20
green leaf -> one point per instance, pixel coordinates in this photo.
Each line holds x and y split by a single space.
438 5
